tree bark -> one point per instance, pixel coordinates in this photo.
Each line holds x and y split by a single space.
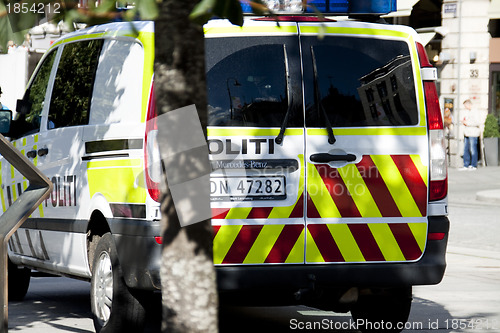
189 293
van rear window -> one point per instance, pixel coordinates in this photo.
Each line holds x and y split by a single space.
358 82
354 81
249 88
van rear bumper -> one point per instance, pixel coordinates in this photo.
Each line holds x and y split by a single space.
138 252
140 258
426 271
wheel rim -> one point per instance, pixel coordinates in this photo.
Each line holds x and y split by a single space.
103 287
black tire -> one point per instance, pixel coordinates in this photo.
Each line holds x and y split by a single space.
19 282
115 307
383 311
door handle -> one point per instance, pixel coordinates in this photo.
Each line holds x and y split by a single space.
31 154
43 151
325 157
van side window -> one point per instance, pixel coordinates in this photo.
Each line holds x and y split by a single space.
248 88
72 92
35 98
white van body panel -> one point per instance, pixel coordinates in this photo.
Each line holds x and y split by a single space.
99 176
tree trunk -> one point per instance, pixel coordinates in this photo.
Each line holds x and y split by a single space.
189 293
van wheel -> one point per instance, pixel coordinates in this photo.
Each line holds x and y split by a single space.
115 308
19 282
383 311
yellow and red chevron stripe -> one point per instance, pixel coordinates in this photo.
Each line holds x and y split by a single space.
324 243
364 242
259 244
378 186
297 210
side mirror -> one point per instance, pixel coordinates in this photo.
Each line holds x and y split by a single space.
23 106
5 119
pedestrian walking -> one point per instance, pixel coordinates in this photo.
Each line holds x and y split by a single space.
472 132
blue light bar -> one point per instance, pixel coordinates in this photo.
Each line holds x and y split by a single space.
372 6
329 6
333 7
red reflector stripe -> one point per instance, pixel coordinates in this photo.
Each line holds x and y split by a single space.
298 210
325 243
406 241
338 191
159 240
366 242
413 181
377 188
242 244
312 211
219 213
284 244
436 236
216 229
259 212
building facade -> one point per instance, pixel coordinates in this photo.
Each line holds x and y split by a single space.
464 65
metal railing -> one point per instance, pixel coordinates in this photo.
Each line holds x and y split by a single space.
39 188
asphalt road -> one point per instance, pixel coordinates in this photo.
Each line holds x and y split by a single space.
467 300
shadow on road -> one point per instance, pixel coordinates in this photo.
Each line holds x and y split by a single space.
282 319
62 305
429 316
52 304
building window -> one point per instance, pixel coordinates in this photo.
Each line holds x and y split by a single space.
495 93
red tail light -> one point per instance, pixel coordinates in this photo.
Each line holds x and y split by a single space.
422 56
434 118
438 185
151 151
436 236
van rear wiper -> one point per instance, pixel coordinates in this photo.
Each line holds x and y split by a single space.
331 136
279 138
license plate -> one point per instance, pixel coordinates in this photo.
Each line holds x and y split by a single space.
247 188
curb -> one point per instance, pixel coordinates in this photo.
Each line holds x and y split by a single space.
471 252
489 196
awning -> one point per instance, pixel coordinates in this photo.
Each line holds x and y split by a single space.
404 8
427 34
494 12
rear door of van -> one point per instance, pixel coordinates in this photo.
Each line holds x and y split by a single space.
366 146
347 177
256 143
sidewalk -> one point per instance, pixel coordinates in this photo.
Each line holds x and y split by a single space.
478 186
474 211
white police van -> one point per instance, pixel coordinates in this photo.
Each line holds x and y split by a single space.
326 139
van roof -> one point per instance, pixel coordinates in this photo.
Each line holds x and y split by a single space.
256 21
117 29
114 29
